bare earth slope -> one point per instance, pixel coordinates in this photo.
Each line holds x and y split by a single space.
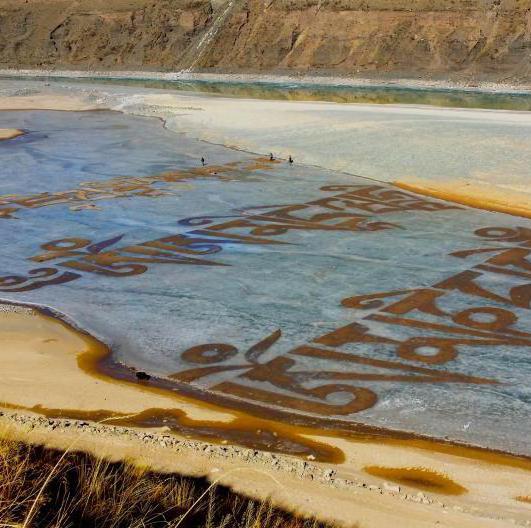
456 39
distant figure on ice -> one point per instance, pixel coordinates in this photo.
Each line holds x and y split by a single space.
290 159
203 162
271 157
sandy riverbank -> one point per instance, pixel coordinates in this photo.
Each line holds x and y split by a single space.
46 102
476 157
44 373
10 133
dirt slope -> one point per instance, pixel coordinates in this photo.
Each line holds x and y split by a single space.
476 39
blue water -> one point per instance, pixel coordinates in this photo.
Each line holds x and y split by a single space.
289 274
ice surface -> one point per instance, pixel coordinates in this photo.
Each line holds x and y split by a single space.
288 274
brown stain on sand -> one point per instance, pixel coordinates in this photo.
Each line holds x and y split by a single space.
418 477
477 202
239 431
523 498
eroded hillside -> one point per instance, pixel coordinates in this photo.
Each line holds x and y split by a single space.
479 39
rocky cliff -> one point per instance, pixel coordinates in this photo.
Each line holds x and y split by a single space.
480 39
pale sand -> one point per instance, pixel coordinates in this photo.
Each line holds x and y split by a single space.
39 367
454 154
46 102
10 133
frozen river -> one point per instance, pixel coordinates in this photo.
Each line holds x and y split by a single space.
315 296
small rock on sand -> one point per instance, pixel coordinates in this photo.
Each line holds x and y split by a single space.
394 488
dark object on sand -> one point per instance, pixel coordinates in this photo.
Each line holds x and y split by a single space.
271 157
203 162
290 159
143 376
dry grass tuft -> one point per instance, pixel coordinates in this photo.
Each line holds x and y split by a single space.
40 487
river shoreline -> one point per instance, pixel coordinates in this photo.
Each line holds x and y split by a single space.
272 79
97 361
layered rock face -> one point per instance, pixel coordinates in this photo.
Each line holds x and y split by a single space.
481 39
100 34
402 37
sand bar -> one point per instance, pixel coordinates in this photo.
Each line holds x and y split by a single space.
477 195
45 102
10 133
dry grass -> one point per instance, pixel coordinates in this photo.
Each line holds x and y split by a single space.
41 487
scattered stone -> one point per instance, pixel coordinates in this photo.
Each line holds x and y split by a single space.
393 488
142 376
329 474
